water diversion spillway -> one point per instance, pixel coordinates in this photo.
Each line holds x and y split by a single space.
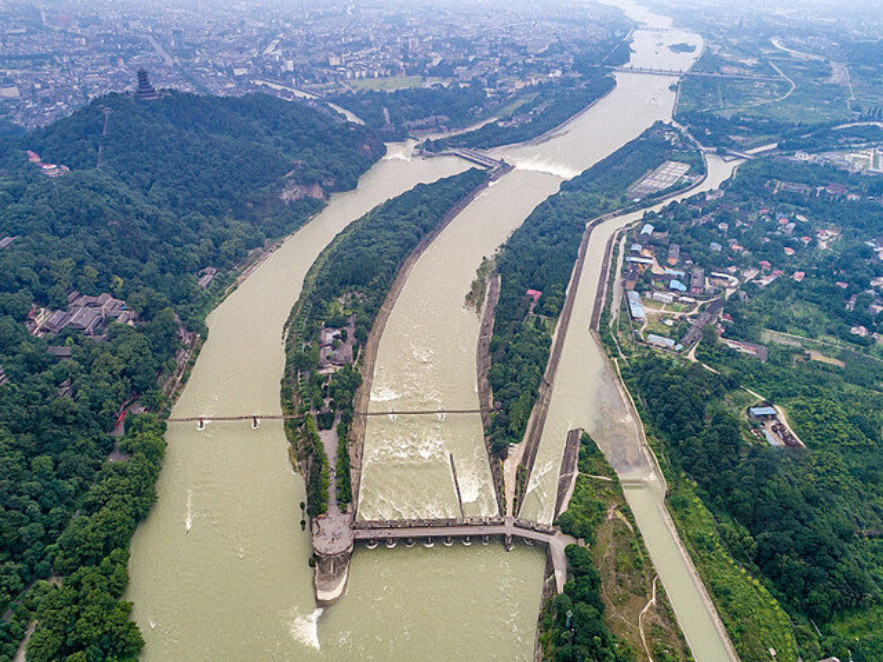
588 395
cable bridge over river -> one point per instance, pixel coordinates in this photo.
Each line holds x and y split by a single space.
255 419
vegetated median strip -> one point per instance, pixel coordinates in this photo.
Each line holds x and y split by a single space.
540 256
348 295
485 394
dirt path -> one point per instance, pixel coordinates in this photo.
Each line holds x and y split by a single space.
650 605
22 647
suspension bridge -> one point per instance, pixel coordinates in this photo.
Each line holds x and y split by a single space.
257 418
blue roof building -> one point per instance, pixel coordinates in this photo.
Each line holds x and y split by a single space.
636 307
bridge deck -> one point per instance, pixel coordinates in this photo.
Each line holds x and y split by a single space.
697 74
507 528
208 418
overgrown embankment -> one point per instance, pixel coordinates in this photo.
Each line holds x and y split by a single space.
343 297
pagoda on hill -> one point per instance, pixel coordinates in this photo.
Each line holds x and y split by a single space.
145 90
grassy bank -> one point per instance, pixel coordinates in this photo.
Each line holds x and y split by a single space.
636 612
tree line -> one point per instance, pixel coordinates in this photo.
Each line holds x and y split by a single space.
540 255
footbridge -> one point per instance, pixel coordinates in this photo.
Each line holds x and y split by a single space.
257 418
467 530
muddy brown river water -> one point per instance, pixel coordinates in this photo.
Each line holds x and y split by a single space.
219 569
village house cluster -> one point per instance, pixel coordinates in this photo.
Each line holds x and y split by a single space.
87 314
670 282
336 347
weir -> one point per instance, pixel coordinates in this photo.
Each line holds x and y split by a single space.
477 157
333 555
334 536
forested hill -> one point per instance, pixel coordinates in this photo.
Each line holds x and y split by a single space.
184 183
209 153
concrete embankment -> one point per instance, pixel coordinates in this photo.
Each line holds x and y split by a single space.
537 421
538 417
485 394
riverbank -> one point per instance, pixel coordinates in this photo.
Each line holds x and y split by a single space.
485 393
228 499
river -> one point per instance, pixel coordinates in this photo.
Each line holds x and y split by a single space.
587 395
218 570
424 363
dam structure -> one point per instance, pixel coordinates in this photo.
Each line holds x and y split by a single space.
335 534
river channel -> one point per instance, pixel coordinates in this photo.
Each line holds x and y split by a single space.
587 395
219 569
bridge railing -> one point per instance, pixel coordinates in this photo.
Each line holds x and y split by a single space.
535 526
455 522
